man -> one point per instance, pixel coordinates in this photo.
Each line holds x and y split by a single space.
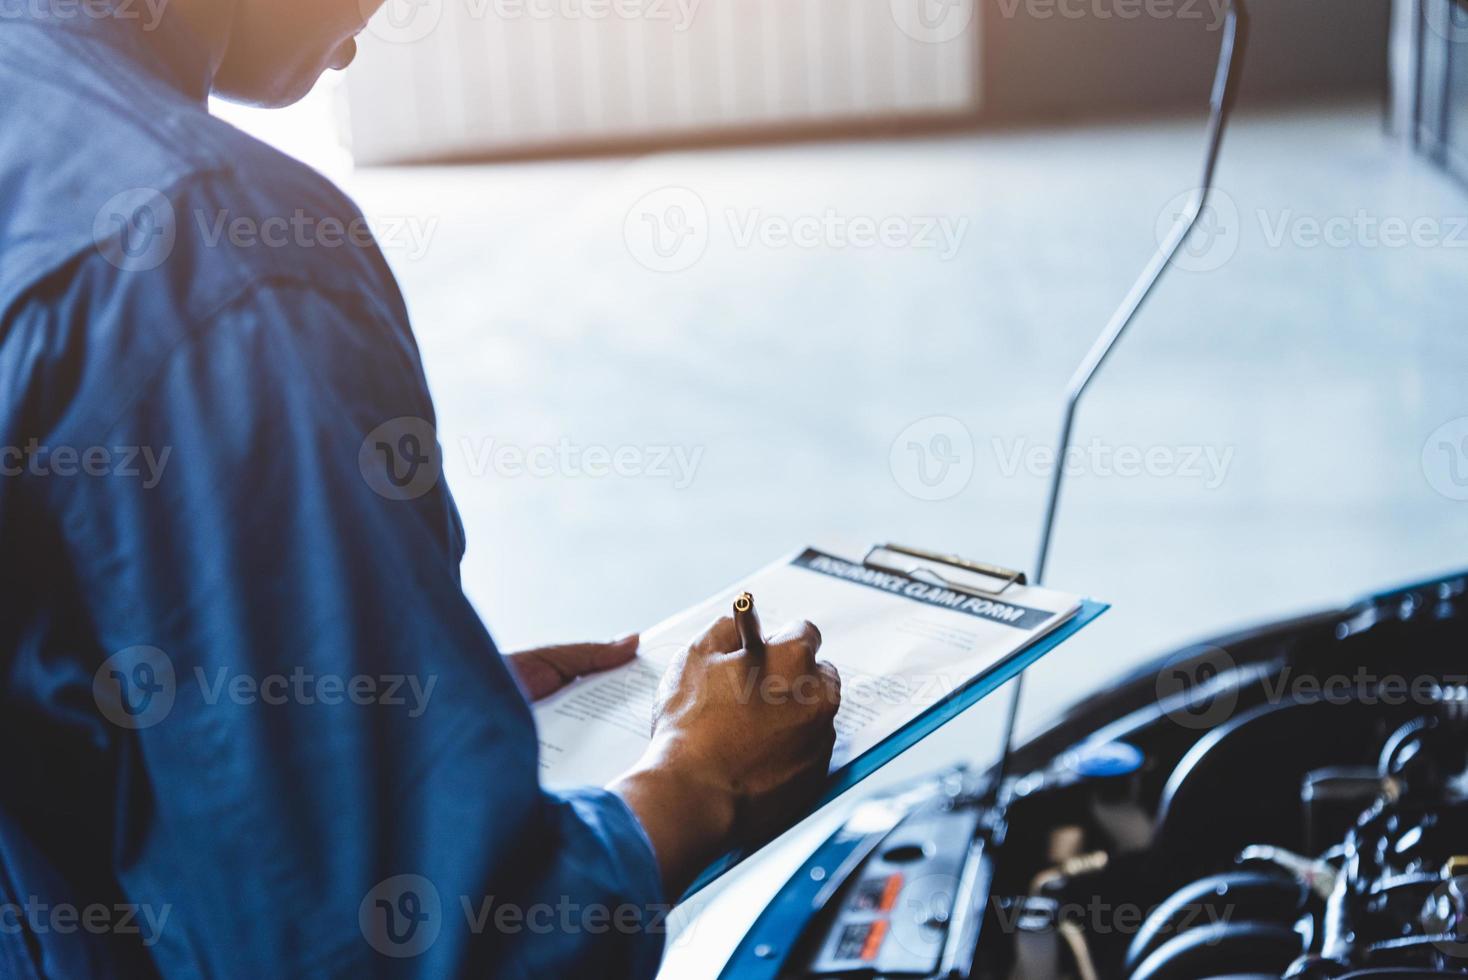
252 726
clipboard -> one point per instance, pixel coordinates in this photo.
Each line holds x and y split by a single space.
961 575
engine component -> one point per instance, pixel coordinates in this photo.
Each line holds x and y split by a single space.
1254 896
1387 895
1235 947
1254 826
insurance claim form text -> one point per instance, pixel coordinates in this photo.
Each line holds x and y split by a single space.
902 645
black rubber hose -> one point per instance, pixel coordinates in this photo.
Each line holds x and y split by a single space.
1233 897
1208 951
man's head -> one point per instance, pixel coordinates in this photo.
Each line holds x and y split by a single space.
275 50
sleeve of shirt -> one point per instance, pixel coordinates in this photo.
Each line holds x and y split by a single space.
325 767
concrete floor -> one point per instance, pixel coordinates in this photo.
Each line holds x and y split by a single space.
1307 347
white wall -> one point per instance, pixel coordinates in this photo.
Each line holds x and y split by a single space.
454 77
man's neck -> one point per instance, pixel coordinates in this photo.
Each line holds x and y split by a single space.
210 21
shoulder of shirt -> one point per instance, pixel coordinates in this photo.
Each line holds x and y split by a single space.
88 159
116 160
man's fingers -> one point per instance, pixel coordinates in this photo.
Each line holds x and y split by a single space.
831 678
573 660
722 636
803 633
546 670
792 650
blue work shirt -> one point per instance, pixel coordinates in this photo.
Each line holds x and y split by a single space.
251 725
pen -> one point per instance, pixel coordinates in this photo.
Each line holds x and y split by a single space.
746 620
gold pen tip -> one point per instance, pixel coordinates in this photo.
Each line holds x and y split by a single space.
744 603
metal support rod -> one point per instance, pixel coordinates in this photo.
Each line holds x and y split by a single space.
1224 96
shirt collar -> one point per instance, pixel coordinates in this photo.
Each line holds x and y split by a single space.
146 32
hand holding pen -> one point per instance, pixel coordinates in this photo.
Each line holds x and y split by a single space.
743 729
746 620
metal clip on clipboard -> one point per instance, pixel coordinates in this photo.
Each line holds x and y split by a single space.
944 570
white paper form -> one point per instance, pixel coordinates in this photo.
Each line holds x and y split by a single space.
901 644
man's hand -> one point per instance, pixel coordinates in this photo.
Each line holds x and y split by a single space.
545 670
740 743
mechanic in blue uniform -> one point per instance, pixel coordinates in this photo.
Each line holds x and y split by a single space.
251 725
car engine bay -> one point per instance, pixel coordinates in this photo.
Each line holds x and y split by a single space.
1290 801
